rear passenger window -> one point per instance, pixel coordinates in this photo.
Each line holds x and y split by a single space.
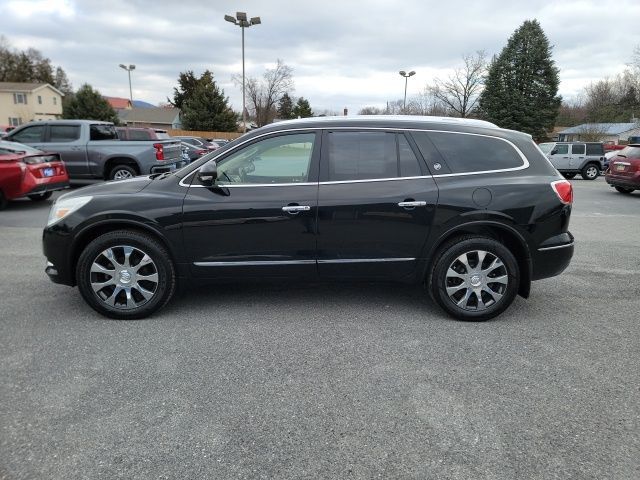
409 166
64 133
466 153
362 155
370 155
578 149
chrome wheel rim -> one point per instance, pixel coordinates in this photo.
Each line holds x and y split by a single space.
476 280
122 174
592 172
124 277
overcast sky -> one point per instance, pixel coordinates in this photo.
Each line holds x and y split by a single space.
344 53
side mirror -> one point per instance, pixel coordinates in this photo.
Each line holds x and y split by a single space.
553 152
208 173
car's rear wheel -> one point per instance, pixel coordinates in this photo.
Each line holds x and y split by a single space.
474 278
3 201
126 275
39 197
568 176
590 171
122 172
624 190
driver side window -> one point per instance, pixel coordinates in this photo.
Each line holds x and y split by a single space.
283 159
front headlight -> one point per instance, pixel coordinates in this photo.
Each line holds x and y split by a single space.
65 207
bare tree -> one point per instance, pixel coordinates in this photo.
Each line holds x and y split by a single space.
593 132
263 94
370 111
461 90
426 103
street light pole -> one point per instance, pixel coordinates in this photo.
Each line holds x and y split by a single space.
128 69
241 20
406 79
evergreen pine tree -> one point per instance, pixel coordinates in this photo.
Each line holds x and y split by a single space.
203 104
522 84
285 107
88 104
302 109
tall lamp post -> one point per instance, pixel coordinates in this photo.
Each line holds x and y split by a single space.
406 79
241 20
128 69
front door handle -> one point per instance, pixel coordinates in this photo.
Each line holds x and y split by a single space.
412 204
295 209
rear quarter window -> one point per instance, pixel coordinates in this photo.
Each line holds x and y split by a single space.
595 149
468 153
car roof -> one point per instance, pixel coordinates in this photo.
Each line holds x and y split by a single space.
387 119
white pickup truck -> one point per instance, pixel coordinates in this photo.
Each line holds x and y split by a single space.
92 150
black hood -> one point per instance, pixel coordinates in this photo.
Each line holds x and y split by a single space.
130 185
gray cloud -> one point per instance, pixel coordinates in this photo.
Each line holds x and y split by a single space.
344 54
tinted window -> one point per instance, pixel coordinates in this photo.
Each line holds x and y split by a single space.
29 134
578 149
283 159
595 149
561 149
64 133
473 153
361 155
103 132
409 166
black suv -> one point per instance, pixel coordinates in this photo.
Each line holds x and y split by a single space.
473 211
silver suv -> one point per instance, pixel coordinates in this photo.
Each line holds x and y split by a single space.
571 158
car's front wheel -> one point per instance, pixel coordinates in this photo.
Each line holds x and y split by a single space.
126 275
474 278
624 190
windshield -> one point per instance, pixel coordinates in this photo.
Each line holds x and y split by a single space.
546 147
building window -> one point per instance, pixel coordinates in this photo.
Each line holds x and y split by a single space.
55 100
20 98
15 121
39 100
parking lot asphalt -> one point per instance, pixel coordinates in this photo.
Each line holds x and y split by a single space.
328 381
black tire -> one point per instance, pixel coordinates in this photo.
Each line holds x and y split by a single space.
568 176
40 197
590 171
624 190
3 201
135 266
492 304
121 172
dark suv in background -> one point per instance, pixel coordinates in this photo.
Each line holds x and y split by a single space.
473 211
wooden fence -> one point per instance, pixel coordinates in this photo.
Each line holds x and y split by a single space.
191 133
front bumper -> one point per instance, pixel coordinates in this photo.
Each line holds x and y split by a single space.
56 246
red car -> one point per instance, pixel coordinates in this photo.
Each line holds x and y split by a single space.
27 172
624 169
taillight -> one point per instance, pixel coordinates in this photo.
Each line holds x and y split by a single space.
564 190
159 151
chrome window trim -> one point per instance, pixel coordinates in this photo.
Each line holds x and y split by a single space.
259 263
524 166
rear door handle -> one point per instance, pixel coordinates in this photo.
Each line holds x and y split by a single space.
295 209
412 204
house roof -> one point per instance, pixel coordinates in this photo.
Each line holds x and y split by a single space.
25 87
605 128
118 102
167 116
